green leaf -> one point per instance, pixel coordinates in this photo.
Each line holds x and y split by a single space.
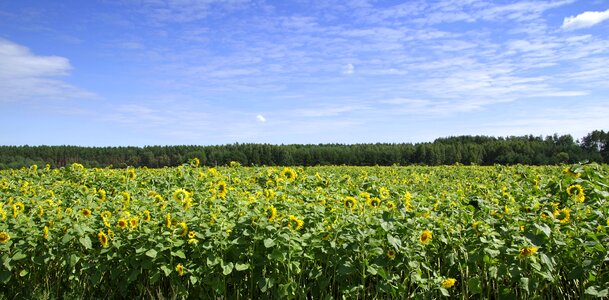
73 260
166 270
151 253
241 267
19 256
269 243
444 292
396 243
474 285
544 228
372 269
193 279
227 269
23 273
524 284
5 276
179 254
86 242
592 291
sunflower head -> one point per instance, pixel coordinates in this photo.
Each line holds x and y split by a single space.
295 223
221 189
528 251
425 237
103 239
391 254
4 237
288 174
122 223
180 269
373 202
448 283
85 212
271 213
350 203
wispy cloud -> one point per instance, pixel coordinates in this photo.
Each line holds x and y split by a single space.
26 76
585 19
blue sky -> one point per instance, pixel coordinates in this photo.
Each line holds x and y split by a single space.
173 72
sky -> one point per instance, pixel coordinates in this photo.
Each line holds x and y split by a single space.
209 72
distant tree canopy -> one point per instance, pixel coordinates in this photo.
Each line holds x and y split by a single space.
479 150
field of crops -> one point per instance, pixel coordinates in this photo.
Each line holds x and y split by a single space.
318 232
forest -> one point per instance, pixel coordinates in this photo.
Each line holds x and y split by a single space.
467 150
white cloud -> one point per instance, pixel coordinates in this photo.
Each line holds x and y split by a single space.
585 19
260 118
24 75
348 69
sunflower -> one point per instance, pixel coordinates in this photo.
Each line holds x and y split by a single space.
4 237
528 251
133 222
578 191
373 202
448 283
168 220
180 195
131 174
106 214
288 174
85 212
18 208
180 269
192 235
562 215
184 228
295 223
122 223
221 189
350 203
271 213
147 215
391 254
383 192
390 205
425 237
103 239
269 194
45 232
102 195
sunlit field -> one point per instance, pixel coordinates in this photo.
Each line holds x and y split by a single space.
308 233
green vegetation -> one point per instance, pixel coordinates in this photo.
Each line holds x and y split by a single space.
309 232
479 150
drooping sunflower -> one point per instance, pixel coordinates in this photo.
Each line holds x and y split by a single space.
425 237
147 216
180 269
528 251
4 237
221 189
18 208
103 239
350 202
45 233
391 254
578 191
184 228
295 223
271 213
448 283
562 215
168 220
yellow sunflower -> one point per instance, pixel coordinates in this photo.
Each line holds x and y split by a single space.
350 203
221 189
122 223
184 228
147 215
18 208
562 215
85 212
295 223
4 237
180 269
373 202
391 254
384 192
528 251
45 233
578 191
271 213
103 239
448 283
288 174
425 237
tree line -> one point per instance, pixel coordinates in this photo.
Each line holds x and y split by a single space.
479 150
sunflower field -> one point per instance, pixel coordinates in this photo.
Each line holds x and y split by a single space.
234 232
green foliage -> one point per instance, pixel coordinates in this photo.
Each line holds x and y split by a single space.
268 232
